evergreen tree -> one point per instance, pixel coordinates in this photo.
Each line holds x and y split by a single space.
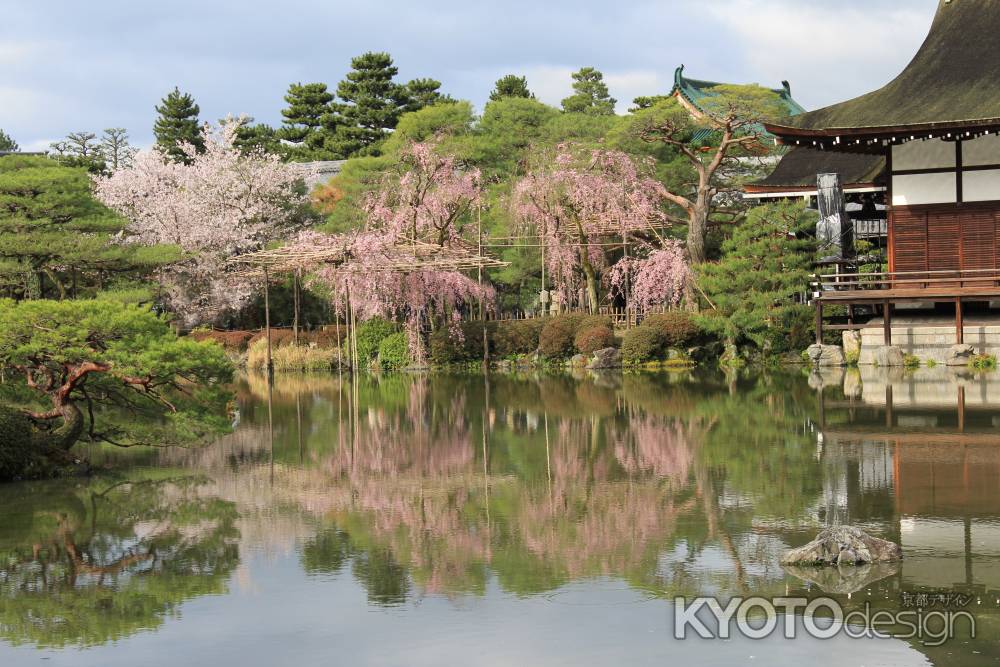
252 136
590 94
115 148
56 240
372 104
647 102
511 85
7 143
178 122
764 265
422 93
80 149
307 118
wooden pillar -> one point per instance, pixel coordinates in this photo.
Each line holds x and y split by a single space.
819 322
887 322
959 322
267 321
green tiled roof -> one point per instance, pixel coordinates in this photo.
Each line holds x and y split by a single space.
953 80
696 90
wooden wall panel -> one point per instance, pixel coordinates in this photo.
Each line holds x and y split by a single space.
909 240
945 237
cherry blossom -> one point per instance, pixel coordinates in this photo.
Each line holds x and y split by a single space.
577 201
219 205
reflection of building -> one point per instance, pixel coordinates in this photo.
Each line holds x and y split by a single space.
925 449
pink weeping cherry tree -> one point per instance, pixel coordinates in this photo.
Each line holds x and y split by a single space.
428 196
428 199
580 202
221 204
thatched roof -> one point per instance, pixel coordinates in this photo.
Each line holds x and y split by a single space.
952 82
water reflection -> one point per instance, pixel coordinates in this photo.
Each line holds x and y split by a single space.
464 487
85 563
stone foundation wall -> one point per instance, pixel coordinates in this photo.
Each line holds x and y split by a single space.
930 342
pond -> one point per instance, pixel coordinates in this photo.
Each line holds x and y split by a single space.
463 519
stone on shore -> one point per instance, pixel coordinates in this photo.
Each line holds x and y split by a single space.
826 355
852 346
960 355
609 357
889 356
844 545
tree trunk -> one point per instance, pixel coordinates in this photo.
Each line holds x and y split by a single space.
698 230
591 275
66 435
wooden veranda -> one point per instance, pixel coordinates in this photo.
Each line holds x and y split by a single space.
886 289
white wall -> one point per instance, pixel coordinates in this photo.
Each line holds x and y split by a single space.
984 150
929 154
981 185
924 189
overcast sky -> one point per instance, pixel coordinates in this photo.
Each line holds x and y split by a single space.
68 65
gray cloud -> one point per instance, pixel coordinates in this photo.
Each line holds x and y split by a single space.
67 65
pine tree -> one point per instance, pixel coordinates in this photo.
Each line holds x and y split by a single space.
178 122
372 104
422 93
56 240
309 104
764 265
511 85
590 94
252 137
7 143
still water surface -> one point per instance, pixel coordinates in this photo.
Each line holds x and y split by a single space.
530 520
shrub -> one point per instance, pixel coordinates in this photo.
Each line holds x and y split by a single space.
911 361
556 338
677 326
593 339
642 344
231 341
16 453
449 347
370 335
394 351
984 362
511 337
584 321
326 338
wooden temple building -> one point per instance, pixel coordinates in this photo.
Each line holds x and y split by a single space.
935 129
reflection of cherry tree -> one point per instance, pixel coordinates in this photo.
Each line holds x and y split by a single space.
662 446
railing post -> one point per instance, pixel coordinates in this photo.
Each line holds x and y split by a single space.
819 322
959 323
887 322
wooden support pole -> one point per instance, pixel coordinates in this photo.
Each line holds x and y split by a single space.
267 322
959 322
295 306
819 322
887 322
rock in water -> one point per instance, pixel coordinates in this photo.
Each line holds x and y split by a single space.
609 357
844 545
826 355
889 356
960 355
